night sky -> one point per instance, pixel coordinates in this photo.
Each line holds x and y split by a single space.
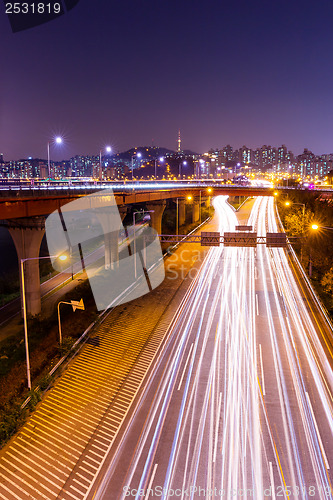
129 72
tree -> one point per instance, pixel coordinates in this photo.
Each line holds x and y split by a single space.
327 281
295 224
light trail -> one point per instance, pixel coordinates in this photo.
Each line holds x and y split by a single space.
244 403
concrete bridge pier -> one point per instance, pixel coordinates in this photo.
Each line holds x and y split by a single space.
195 211
181 212
27 235
157 208
111 241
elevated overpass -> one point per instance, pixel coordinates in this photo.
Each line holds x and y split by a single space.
18 203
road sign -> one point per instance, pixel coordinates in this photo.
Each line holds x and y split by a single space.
210 239
276 240
243 228
77 304
240 239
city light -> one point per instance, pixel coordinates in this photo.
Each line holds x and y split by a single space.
317 226
56 140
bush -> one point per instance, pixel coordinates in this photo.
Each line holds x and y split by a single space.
11 417
35 397
45 382
66 345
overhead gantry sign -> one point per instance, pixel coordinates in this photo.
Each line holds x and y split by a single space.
229 239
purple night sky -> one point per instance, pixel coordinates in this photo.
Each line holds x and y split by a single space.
125 73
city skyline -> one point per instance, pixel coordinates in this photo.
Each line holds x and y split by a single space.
186 151
150 162
129 74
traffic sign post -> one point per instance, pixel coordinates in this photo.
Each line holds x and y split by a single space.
240 239
76 304
275 240
244 228
210 239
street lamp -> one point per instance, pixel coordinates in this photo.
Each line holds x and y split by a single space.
288 203
161 160
57 140
137 212
209 190
61 257
108 149
138 155
316 226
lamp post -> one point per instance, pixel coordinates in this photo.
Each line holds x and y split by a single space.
25 322
75 305
137 212
315 227
108 150
288 203
161 160
138 155
209 190
57 140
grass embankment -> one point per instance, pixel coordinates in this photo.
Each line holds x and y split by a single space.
236 201
45 352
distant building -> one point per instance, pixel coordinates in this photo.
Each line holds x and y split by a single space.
245 155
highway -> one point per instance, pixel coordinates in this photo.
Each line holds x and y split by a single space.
239 402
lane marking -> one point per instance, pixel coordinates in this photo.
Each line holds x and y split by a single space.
187 360
272 479
262 371
257 305
318 434
151 481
